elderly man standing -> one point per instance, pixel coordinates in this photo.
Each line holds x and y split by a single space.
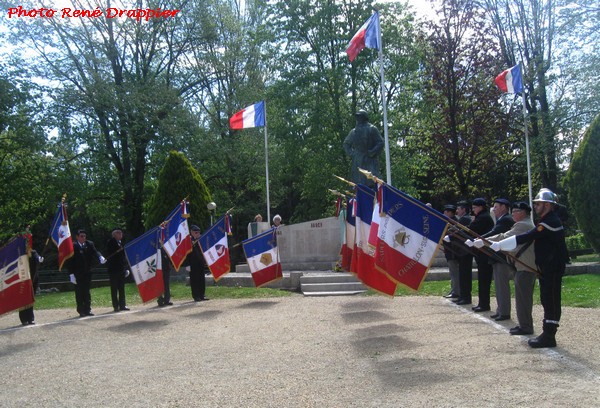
525 274
550 257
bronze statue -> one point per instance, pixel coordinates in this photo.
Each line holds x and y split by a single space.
364 145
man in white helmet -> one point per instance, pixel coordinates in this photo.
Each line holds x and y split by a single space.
550 256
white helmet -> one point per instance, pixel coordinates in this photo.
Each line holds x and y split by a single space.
545 196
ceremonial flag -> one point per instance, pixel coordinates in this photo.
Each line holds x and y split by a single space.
215 249
252 116
348 245
366 36
16 290
145 260
510 80
409 235
61 235
176 235
262 255
363 262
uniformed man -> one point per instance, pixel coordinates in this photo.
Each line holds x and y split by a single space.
550 256
451 256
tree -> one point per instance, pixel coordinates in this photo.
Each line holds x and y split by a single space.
584 184
177 180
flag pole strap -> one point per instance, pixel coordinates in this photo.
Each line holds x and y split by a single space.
470 233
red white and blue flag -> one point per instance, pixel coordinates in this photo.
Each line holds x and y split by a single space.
262 255
16 290
252 116
61 235
409 235
367 36
215 249
176 235
363 261
348 244
145 260
510 80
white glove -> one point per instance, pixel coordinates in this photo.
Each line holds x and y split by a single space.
478 243
41 259
127 273
447 238
102 259
188 269
469 243
495 246
72 279
508 244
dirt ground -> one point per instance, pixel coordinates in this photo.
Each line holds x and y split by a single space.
354 351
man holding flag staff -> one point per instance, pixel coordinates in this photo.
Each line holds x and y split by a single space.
196 265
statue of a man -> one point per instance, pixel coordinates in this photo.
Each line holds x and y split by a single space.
364 144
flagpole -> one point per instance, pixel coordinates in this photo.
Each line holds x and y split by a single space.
267 173
525 130
388 168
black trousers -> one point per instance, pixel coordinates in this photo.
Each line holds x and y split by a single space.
485 274
26 315
550 291
82 293
465 276
117 289
166 296
197 283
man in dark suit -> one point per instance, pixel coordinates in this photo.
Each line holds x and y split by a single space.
481 224
455 241
26 315
502 270
451 257
80 266
117 269
196 265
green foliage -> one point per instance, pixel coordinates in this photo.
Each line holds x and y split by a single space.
584 184
577 242
177 180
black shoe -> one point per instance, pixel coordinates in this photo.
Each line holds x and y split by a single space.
89 314
451 296
542 341
116 309
463 302
204 298
517 331
169 303
456 300
197 299
82 315
480 309
502 317
495 315
124 308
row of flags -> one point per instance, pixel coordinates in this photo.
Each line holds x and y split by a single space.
391 238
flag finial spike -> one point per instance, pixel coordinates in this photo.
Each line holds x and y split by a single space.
344 180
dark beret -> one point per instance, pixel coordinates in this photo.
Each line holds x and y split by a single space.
521 205
450 207
480 202
195 228
502 201
463 204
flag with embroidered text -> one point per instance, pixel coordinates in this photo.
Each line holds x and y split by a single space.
367 36
176 237
16 290
61 235
145 260
409 235
262 255
215 249
363 261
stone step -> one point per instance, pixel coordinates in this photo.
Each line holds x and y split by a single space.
332 287
337 293
333 277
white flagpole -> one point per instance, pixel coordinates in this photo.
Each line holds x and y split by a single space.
267 170
388 168
525 130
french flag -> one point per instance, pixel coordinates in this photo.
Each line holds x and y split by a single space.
363 260
348 245
145 260
510 80
367 36
215 248
16 291
262 255
61 235
409 235
252 116
176 235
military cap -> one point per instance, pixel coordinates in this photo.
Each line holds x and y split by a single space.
480 202
450 207
502 201
195 228
521 205
463 204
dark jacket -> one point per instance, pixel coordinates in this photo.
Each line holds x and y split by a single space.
481 224
549 241
83 258
503 224
116 262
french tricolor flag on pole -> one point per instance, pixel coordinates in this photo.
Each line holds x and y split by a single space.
366 36
510 80
215 248
262 255
252 116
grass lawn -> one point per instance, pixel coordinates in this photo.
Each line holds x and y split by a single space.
578 291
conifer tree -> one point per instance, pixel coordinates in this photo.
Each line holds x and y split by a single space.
179 179
584 184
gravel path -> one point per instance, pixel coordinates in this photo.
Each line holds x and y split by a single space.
296 352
